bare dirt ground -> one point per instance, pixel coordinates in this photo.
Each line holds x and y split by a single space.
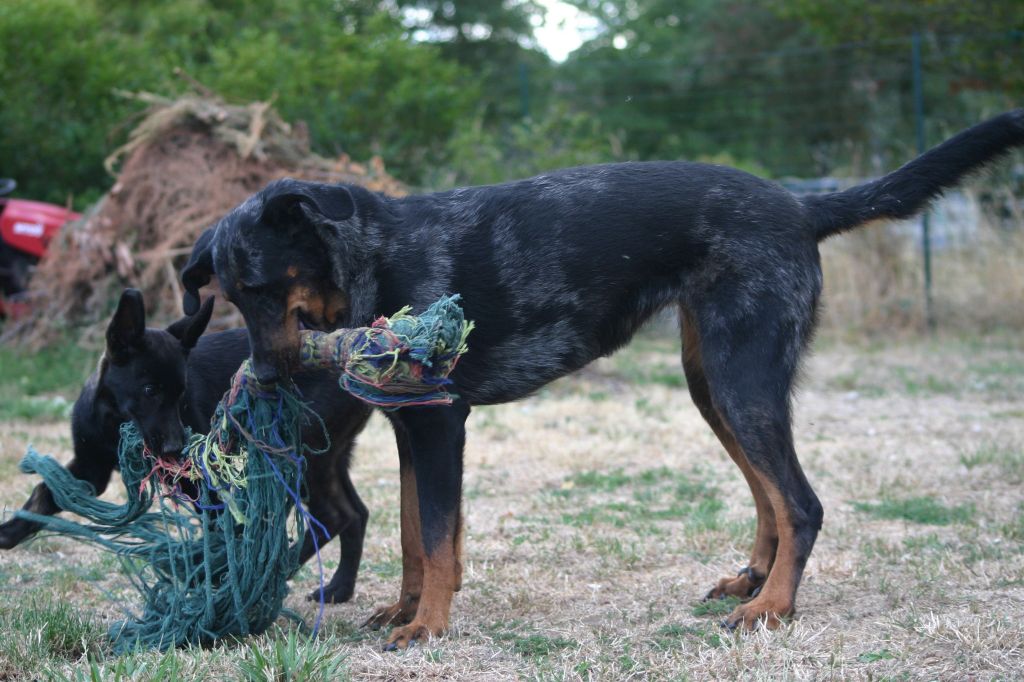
600 511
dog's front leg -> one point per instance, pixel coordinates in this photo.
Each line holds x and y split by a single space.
436 437
403 610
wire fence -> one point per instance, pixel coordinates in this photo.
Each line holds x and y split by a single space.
809 115
852 109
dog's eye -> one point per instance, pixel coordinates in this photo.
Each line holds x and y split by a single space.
150 390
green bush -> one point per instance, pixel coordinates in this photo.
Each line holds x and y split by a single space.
60 68
346 69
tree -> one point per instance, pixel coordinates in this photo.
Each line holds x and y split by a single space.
494 40
801 87
60 69
348 69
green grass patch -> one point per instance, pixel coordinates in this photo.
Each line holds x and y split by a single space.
715 607
41 629
41 385
599 480
1007 459
49 370
129 668
651 360
676 636
916 384
292 658
384 569
925 510
33 408
529 644
875 656
999 368
638 500
853 381
1014 530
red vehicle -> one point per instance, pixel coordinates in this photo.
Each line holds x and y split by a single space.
26 228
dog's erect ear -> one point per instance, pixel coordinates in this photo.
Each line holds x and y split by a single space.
198 271
128 325
288 202
189 329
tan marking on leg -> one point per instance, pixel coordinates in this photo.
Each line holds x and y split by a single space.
766 539
439 581
777 598
762 556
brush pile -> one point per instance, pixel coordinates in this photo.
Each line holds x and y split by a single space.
186 163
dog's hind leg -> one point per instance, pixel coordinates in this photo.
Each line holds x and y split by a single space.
752 576
750 354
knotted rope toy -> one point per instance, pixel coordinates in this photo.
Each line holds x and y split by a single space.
203 574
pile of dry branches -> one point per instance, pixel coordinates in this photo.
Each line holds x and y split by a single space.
186 163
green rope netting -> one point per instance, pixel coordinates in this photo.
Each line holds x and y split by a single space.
214 558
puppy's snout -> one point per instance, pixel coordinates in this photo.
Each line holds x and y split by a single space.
266 372
171 446
271 367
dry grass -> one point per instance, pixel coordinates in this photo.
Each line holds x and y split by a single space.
874 277
599 512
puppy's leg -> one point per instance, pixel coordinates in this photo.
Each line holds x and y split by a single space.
437 436
403 610
351 532
753 575
15 530
334 503
95 469
749 365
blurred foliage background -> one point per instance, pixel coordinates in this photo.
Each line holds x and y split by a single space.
459 91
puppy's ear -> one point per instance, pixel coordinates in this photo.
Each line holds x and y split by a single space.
291 202
198 271
189 329
127 327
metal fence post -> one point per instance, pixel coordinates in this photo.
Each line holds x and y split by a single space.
926 238
524 89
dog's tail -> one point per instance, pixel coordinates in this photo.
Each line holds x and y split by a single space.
906 191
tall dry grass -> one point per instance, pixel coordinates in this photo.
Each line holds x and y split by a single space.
874 277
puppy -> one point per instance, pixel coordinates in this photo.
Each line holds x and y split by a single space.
165 379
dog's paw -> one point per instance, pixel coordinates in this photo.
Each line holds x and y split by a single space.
746 585
414 633
14 531
333 595
758 613
399 613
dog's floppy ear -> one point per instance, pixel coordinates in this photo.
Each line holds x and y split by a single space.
327 210
128 325
288 202
198 271
189 329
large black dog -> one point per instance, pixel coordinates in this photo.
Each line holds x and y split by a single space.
556 271
160 378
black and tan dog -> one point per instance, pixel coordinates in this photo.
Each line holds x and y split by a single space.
160 378
556 271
